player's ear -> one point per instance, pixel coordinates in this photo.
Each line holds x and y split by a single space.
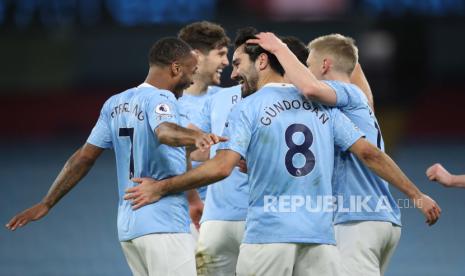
175 68
262 61
326 65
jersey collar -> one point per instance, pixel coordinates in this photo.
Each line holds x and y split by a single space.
278 84
166 92
146 85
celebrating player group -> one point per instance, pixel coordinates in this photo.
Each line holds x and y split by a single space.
283 174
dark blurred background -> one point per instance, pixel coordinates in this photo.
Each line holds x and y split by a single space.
60 60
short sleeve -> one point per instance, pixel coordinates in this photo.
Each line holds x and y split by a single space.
344 97
345 132
101 133
161 109
238 130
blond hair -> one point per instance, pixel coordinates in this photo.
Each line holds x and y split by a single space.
341 48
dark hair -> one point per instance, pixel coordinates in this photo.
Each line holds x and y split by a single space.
204 36
167 50
297 47
253 50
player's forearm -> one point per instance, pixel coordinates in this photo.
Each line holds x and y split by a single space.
193 196
209 172
176 136
73 171
188 159
200 156
458 181
386 168
358 78
296 72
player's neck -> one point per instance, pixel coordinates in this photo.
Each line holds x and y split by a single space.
158 78
270 77
337 77
199 88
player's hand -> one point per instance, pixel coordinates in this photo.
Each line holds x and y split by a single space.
439 174
195 212
429 208
148 191
205 140
36 212
268 41
242 164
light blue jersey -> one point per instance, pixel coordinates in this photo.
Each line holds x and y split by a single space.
288 143
126 124
213 89
191 107
228 198
352 178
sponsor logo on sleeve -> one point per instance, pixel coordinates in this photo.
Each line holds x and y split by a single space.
163 111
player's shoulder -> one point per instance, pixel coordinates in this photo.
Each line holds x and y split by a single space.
184 98
142 93
351 89
154 92
225 92
279 89
274 91
117 98
192 101
213 89
355 90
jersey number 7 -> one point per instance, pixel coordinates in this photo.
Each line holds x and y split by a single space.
129 132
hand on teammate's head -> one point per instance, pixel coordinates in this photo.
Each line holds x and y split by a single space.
268 41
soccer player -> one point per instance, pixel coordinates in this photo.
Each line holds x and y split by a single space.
439 174
367 237
226 202
210 43
288 142
142 126
225 211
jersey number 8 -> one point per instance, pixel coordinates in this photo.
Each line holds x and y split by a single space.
303 149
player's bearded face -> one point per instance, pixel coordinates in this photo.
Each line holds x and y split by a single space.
249 80
244 72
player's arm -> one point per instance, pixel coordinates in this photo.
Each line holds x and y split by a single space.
296 72
358 78
439 174
77 166
195 203
213 170
197 154
177 136
195 207
386 168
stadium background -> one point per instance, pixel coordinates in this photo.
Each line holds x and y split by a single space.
60 59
